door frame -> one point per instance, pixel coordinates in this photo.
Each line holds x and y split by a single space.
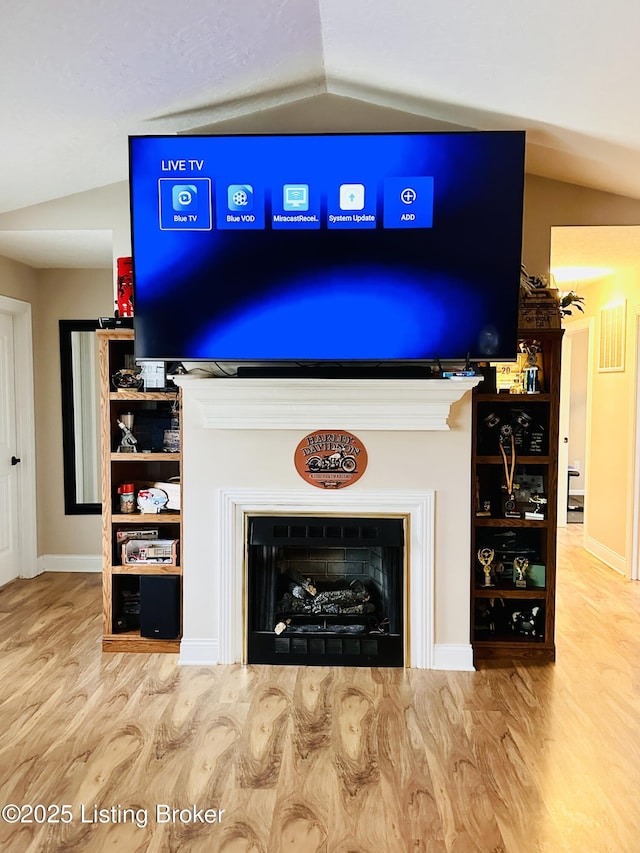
20 312
584 324
635 500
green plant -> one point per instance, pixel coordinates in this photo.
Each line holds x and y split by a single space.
570 298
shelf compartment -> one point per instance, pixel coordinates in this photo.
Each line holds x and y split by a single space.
510 619
527 420
152 419
508 543
529 479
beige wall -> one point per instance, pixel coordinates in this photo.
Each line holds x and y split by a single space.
62 295
102 209
548 203
19 282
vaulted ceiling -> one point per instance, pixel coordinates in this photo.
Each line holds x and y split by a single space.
77 78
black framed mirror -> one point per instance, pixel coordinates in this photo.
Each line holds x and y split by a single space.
80 416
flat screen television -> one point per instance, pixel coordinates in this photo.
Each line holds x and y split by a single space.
317 248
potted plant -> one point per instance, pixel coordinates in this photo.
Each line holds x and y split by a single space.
542 305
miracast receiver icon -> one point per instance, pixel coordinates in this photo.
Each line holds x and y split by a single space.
295 197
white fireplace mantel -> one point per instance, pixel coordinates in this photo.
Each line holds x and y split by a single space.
418 468
375 404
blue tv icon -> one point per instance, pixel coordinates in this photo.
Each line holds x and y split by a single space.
184 197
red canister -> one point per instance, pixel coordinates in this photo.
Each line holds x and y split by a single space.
127 497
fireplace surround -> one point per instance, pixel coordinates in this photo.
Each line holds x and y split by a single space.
239 437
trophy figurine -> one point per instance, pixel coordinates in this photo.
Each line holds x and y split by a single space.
485 556
539 502
128 441
521 564
533 367
483 508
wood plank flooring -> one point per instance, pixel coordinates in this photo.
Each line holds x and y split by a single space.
520 759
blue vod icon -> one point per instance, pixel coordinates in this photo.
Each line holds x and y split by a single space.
295 197
240 197
184 197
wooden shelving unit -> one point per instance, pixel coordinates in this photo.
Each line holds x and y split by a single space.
510 621
141 468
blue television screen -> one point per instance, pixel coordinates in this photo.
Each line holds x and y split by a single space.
327 247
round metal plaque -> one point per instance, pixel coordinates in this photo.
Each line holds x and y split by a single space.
330 459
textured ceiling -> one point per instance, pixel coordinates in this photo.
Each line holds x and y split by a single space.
77 78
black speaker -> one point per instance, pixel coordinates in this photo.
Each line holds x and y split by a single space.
160 606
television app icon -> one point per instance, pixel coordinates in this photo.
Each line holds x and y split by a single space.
184 197
240 197
408 195
351 197
295 197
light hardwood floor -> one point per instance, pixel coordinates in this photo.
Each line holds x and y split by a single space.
513 760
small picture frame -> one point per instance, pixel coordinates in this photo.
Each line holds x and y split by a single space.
153 374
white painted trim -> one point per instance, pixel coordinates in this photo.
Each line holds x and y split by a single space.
199 653
69 563
606 555
563 429
576 492
589 324
26 434
456 657
376 404
228 567
635 494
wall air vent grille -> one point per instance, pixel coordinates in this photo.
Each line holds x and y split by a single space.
612 337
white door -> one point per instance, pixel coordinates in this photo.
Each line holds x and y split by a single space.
9 534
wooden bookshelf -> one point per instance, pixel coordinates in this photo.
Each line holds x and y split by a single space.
121 630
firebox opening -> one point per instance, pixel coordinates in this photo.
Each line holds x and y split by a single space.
325 591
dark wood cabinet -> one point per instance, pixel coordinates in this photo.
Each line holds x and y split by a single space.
514 503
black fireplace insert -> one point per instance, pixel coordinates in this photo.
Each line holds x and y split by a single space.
325 591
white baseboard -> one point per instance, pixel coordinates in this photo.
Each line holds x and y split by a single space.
606 555
458 657
577 492
69 563
199 652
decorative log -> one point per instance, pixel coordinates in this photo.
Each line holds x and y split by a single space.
305 582
298 591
